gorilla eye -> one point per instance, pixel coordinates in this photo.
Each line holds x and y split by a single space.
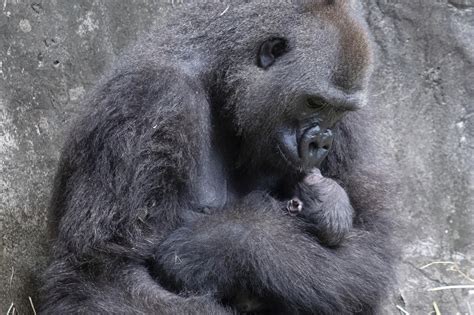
270 51
317 103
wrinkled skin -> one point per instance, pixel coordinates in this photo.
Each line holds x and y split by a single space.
224 166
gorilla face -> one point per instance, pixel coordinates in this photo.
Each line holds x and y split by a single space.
296 89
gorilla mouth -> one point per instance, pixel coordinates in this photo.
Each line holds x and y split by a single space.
305 151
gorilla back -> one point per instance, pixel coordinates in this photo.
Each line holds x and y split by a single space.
192 186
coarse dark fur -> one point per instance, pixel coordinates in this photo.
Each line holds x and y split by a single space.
170 194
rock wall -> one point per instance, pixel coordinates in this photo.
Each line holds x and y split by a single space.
423 88
52 52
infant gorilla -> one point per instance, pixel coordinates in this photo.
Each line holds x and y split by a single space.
325 205
187 261
320 206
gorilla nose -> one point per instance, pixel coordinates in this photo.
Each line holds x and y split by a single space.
314 146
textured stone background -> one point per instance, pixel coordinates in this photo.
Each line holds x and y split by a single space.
52 52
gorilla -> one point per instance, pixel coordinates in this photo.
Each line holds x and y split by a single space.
226 165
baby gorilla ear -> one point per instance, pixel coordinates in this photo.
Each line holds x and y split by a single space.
270 50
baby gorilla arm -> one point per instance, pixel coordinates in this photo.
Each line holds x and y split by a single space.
255 247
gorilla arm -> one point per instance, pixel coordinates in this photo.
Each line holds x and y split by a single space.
119 190
255 247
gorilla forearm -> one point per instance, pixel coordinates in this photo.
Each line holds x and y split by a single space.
256 247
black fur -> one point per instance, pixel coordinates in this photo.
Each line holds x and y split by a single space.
171 192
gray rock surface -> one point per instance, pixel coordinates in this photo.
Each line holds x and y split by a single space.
52 52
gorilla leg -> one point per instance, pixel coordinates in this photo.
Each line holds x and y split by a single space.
130 290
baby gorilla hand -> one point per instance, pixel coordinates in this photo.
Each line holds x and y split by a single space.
323 204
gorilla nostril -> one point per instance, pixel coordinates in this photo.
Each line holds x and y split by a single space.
313 146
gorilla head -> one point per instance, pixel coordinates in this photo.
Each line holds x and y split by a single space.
290 79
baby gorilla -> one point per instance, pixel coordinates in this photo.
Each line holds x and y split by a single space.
325 205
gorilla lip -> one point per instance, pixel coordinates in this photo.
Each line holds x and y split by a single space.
287 159
287 145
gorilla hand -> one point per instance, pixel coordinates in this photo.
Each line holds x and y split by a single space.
325 206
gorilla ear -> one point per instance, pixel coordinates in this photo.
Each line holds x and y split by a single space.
270 50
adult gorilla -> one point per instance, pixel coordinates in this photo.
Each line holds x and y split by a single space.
193 184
